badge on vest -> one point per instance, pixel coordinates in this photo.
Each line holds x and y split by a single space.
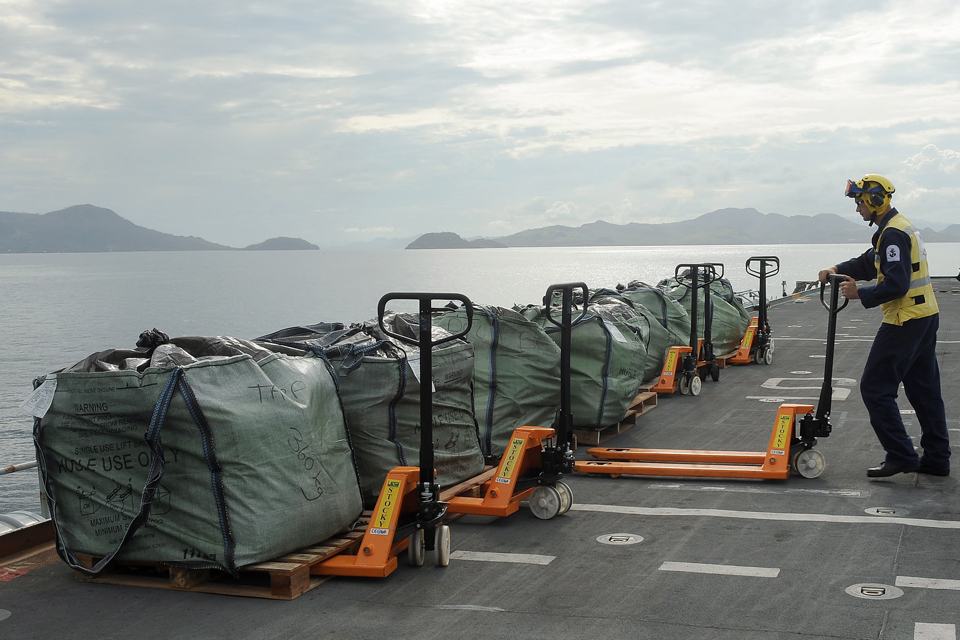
893 253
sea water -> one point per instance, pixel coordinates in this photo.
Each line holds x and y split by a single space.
56 309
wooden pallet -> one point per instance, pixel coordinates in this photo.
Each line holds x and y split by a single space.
470 488
642 403
283 578
724 360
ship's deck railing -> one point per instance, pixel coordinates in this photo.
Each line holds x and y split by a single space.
18 467
23 466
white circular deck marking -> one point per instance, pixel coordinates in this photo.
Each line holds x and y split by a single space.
907 412
801 373
886 511
4 614
818 356
873 591
619 538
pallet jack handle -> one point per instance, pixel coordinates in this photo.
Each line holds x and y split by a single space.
760 271
826 392
567 322
813 427
710 275
429 491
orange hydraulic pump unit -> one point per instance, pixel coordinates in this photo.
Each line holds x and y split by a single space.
795 433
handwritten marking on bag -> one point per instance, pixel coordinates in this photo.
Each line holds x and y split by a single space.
273 392
196 554
297 445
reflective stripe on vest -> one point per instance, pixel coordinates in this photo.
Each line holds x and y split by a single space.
919 301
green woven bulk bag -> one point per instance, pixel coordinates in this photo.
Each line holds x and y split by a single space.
380 386
656 338
730 320
516 372
202 452
669 313
607 361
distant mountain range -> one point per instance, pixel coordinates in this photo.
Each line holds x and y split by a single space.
85 228
447 240
724 226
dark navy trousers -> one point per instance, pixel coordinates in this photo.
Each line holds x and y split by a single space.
907 354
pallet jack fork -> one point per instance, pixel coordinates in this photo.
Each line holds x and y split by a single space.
695 367
409 514
757 344
795 433
536 458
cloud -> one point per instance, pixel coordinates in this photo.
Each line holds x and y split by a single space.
927 183
470 115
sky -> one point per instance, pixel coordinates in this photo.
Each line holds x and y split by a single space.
344 121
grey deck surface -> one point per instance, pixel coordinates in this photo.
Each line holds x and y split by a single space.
816 532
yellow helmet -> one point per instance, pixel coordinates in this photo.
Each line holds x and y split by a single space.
873 189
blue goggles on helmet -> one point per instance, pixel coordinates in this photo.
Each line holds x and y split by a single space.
853 191
857 193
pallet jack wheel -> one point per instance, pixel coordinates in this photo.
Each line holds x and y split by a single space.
768 356
566 497
416 548
758 356
809 463
770 345
695 385
684 385
442 545
545 502
715 372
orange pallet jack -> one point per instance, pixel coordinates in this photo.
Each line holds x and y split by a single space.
795 433
536 458
409 514
757 343
695 367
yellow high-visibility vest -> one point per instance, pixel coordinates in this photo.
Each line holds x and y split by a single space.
919 301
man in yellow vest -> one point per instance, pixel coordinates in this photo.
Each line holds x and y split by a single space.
905 347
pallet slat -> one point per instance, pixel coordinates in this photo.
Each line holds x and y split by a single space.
283 578
644 401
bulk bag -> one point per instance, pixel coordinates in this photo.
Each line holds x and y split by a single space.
666 309
730 320
201 452
516 372
607 360
379 381
656 339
